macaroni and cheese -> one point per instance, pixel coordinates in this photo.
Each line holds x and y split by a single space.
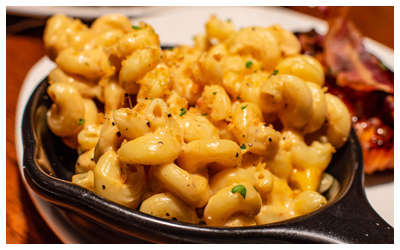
236 130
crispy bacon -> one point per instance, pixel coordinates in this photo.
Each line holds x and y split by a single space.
348 59
361 80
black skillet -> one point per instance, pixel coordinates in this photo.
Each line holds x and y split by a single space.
347 218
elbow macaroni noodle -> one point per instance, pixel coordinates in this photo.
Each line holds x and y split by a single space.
233 131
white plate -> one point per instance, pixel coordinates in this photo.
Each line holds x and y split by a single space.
82 12
177 25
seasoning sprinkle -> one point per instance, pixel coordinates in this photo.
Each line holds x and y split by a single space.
136 27
81 121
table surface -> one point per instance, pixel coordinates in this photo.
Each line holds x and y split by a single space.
25 48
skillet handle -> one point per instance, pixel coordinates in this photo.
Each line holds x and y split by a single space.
351 219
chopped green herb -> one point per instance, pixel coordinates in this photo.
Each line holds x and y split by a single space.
248 64
229 20
239 189
136 27
214 92
243 136
86 64
183 111
274 73
245 106
238 97
243 146
255 188
81 121
204 114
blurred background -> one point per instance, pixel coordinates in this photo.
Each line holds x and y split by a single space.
24 47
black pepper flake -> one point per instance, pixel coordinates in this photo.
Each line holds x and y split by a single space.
126 94
160 142
174 218
91 159
104 187
169 115
113 123
237 154
148 124
167 214
269 139
118 134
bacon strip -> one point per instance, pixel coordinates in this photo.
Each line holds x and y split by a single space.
348 59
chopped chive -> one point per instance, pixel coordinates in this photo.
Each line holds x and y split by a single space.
245 106
136 27
248 64
81 121
239 189
183 111
274 73
243 146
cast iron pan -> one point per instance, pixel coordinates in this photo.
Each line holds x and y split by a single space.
347 218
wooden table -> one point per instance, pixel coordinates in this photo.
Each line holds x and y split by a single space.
23 50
